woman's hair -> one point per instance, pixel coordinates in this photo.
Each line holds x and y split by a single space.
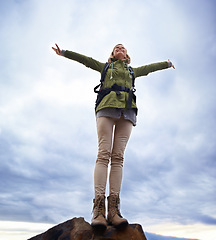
112 56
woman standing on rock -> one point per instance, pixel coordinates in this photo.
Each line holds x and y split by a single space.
116 112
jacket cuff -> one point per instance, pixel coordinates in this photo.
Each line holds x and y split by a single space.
62 52
169 64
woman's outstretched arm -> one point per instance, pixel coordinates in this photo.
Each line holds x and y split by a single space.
87 61
146 69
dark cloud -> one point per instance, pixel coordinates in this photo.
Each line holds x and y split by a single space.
152 236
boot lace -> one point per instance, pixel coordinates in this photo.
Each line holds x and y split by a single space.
114 206
99 206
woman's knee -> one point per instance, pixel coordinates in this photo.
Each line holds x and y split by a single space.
117 159
103 157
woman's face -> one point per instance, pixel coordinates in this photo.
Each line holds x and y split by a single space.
120 52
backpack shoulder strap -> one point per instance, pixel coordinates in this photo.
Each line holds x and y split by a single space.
133 76
106 66
103 74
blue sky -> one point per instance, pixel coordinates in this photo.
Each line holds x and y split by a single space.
48 141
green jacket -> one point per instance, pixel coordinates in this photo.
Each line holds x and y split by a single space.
117 73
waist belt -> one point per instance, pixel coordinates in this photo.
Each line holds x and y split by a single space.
117 89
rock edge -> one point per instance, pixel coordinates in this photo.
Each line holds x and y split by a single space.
79 229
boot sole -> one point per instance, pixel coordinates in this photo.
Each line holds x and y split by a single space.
119 226
99 227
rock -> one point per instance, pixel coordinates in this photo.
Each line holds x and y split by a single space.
79 229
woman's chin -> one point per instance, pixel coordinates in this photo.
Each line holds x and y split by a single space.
120 56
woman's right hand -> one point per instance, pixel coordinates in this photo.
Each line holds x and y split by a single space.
172 64
57 49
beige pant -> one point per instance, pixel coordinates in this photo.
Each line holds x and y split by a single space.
111 146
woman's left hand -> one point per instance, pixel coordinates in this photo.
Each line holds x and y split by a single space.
172 64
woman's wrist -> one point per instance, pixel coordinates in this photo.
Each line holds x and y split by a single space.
62 52
169 64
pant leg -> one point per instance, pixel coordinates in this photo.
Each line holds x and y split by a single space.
122 133
105 133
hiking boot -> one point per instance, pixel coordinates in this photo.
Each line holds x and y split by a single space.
114 216
98 220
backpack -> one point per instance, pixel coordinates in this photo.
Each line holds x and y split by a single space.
101 93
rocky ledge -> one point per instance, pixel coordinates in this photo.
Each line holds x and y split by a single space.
79 229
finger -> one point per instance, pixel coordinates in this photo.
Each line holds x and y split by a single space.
58 47
56 51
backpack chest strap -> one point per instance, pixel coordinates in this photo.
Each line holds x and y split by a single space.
117 89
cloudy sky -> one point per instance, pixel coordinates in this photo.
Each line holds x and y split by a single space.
48 141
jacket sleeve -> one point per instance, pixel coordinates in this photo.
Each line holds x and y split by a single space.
145 70
87 61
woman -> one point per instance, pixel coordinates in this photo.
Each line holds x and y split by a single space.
115 119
